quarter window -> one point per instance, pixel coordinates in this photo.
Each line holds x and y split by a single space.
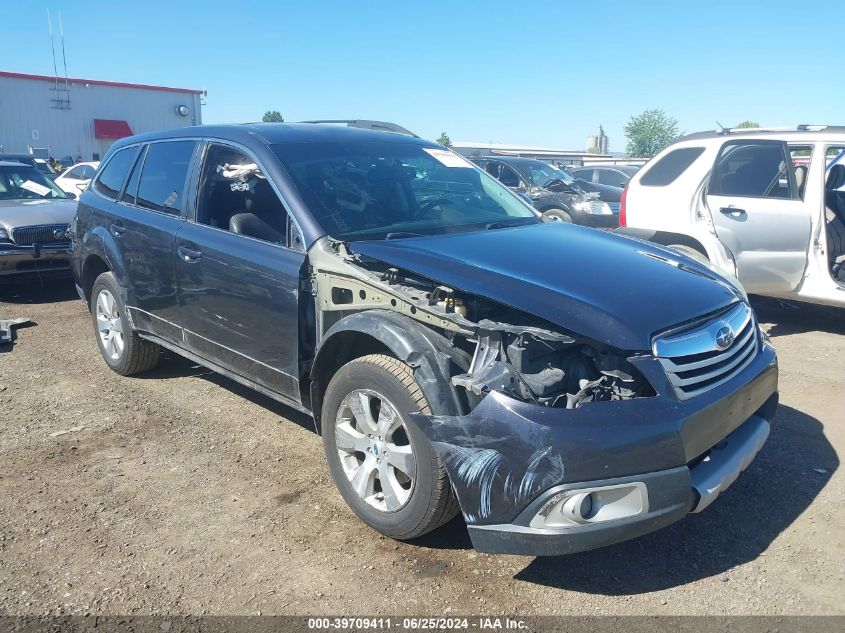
165 171
131 191
667 169
114 174
760 170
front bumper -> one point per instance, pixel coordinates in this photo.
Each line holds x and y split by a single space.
610 221
509 460
22 261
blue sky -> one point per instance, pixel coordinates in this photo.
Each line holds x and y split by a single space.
542 73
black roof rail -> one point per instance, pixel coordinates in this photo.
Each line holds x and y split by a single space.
366 124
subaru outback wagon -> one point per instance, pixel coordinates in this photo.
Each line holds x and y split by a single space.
563 388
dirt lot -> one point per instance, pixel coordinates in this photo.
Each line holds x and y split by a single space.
182 492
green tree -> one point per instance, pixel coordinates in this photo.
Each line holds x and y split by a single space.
650 132
273 116
748 124
444 140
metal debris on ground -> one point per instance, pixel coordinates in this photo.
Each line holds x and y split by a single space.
6 326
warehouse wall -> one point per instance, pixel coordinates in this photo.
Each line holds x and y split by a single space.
29 118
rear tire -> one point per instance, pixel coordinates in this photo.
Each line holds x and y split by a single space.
384 467
123 350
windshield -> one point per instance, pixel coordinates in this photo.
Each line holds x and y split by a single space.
543 173
44 167
23 182
372 190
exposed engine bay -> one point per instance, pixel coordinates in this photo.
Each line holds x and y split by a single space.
497 347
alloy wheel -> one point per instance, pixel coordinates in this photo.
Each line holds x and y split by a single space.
375 450
109 325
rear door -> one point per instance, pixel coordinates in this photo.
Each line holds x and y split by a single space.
146 217
759 215
238 267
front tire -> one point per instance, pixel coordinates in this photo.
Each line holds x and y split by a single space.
384 467
123 350
559 214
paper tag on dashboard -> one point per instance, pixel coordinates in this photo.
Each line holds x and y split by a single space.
34 187
447 158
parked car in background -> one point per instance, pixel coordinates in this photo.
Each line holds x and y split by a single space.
613 175
565 388
607 193
75 180
41 164
34 219
550 190
765 205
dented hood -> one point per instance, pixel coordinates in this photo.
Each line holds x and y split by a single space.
606 287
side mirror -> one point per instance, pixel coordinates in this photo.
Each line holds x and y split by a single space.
82 186
71 195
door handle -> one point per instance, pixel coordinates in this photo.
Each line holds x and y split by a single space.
732 211
118 229
189 254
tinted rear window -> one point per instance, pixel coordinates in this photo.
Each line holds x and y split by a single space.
672 165
114 174
163 179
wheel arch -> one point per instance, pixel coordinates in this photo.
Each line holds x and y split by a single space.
99 254
664 238
426 351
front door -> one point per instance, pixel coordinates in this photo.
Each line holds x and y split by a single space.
238 268
759 215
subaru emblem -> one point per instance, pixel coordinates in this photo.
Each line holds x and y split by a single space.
724 337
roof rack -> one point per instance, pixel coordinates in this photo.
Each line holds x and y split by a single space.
804 127
365 124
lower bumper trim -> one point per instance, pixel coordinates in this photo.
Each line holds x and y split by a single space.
727 460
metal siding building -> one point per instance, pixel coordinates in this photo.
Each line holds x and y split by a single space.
83 117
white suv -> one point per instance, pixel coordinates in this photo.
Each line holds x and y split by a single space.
764 205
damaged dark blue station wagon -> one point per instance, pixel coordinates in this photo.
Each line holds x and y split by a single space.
562 387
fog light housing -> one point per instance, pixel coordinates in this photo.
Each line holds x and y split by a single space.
588 506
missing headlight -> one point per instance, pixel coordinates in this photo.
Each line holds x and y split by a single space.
550 371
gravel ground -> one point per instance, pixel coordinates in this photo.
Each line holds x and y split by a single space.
180 492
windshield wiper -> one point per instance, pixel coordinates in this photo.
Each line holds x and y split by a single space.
400 234
503 224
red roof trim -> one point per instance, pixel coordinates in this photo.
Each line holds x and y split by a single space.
97 82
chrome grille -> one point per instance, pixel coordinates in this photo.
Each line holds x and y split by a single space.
696 360
45 234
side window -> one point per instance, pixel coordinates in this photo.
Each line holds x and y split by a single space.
667 169
584 174
163 177
114 174
87 172
234 195
75 174
612 177
508 176
760 170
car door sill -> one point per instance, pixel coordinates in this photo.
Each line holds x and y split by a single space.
227 373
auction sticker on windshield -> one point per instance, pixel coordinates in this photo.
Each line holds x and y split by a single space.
447 158
34 187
